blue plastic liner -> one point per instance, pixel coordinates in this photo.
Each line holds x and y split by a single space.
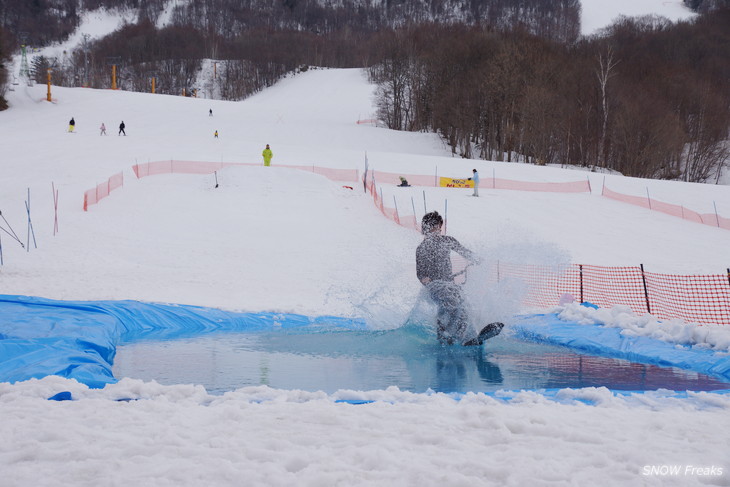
78 339
609 342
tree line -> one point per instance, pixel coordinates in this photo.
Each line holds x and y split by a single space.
647 98
254 42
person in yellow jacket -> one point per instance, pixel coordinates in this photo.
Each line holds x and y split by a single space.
267 155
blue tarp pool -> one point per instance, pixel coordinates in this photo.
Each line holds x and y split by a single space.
99 342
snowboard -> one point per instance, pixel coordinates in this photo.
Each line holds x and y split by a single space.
489 331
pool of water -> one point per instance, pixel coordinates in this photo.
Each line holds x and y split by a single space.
334 359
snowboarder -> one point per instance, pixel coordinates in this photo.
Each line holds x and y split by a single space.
71 124
121 129
403 182
216 134
433 269
475 178
102 129
210 112
267 154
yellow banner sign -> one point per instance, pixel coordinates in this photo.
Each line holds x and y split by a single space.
455 183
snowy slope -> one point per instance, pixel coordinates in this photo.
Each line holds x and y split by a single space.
281 239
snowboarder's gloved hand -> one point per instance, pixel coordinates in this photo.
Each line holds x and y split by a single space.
468 179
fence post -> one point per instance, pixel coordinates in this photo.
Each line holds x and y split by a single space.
424 202
415 220
648 198
580 266
55 208
717 217
446 215
646 292
397 216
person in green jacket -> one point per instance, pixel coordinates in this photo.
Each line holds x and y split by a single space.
267 155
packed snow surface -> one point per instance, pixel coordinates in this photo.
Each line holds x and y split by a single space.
284 240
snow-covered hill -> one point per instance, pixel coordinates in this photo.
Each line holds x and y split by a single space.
282 239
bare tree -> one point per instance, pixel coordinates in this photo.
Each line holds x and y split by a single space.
604 72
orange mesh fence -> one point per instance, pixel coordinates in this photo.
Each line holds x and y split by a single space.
541 286
701 299
697 299
679 211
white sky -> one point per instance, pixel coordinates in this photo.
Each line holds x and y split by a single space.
601 13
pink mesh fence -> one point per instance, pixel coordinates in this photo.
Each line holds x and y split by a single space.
712 219
202 167
102 190
485 182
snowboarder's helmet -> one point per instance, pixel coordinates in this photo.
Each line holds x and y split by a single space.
431 221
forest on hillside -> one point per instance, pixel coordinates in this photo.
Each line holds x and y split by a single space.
647 99
497 79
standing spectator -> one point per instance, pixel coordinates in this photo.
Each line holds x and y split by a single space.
121 129
71 124
102 129
475 178
267 155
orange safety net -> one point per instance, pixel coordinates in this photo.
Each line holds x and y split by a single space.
694 298
697 299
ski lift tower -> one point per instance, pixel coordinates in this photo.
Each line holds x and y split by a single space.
114 61
24 68
86 59
152 75
49 70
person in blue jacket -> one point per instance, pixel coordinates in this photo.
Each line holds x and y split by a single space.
475 178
